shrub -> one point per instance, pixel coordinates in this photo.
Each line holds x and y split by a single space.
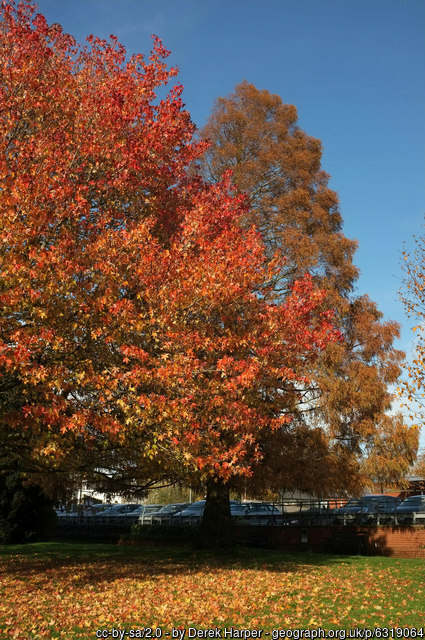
26 513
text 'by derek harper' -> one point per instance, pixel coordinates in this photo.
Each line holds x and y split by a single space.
191 633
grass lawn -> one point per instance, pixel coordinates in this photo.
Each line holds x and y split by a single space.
58 590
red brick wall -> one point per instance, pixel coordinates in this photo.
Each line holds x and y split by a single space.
400 541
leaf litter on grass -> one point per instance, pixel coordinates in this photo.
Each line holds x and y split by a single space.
58 597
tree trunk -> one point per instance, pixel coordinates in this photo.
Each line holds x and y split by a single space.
216 529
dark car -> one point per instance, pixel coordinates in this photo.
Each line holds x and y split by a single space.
192 514
411 510
372 509
98 508
162 515
114 511
313 514
257 513
238 512
140 511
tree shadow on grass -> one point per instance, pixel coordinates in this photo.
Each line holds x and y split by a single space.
94 563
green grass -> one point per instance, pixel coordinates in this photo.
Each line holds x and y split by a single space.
60 590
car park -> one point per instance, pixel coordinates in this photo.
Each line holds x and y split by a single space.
411 510
251 513
371 509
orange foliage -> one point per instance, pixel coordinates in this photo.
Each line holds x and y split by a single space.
135 311
278 167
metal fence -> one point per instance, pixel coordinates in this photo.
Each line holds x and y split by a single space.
289 512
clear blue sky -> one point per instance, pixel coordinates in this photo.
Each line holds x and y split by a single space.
355 70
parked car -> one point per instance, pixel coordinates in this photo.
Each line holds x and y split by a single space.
62 512
116 510
134 512
372 509
193 513
134 515
80 511
91 510
322 514
238 512
145 511
256 513
163 515
98 508
411 510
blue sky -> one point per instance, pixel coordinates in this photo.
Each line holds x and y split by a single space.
355 70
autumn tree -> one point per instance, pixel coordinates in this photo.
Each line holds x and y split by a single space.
412 296
139 331
344 416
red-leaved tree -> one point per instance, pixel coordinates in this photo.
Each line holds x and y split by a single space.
138 333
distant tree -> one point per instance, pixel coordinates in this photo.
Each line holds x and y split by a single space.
418 468
174 493
412 295
387 454
344 417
